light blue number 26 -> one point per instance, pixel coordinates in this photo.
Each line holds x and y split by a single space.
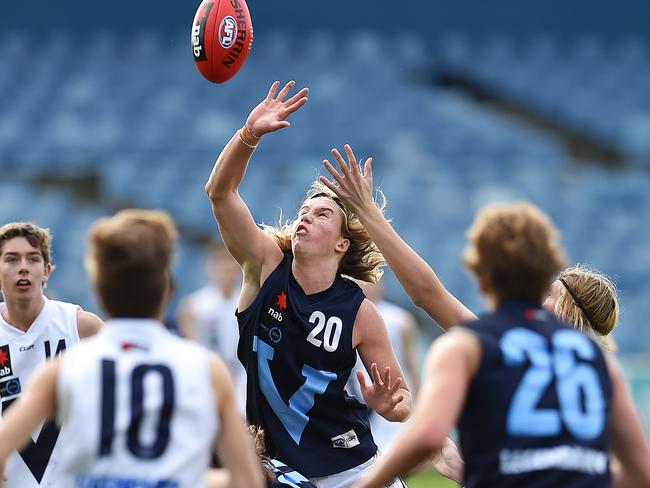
572 378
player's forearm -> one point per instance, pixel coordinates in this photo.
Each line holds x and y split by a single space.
420 282
229 170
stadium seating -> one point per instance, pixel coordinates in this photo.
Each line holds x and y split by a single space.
136 114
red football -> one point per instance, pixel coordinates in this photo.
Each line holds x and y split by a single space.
222 36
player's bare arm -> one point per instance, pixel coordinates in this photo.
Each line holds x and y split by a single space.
628 441
255 251
355 188
37 403
234 444
452 361
88 324
388 393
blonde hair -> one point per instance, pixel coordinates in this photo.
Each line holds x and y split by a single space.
516 249
588 300
129 261
257 433
363 260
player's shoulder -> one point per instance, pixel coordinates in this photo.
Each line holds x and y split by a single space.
54 306
184 347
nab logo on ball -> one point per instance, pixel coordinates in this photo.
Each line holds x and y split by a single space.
198 31
227 32
226 21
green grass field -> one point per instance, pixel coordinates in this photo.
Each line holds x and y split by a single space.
430 480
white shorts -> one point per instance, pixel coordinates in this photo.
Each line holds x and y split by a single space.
349 477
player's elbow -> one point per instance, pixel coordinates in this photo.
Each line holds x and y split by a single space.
216 193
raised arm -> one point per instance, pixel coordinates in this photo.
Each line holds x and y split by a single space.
387 393
248 244
420 282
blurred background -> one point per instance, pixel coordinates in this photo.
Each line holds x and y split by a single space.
460 104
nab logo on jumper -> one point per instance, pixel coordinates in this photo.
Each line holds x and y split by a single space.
5 362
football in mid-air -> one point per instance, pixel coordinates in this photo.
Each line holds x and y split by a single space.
222 36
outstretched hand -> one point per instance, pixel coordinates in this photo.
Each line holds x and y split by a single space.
354 187
382 393
448 461
271 113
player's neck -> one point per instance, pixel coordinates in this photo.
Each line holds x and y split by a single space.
314 275
21 314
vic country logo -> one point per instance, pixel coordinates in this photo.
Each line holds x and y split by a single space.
5 361
227 32
282 300
10 387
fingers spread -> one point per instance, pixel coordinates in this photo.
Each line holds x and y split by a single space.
335 174
294 107
374 372
329 184
341 162
362 380
367 168
273 90
285 91
301 94
387 376
351 157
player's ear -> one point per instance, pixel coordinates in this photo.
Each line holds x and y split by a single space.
343 245
49 267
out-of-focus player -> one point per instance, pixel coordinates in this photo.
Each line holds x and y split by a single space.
537 403
208 314
142 407
301 321
32 329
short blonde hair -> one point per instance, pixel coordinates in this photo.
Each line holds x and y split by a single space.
129 261
589 301
516 249
363 260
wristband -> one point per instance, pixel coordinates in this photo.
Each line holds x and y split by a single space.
241 138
